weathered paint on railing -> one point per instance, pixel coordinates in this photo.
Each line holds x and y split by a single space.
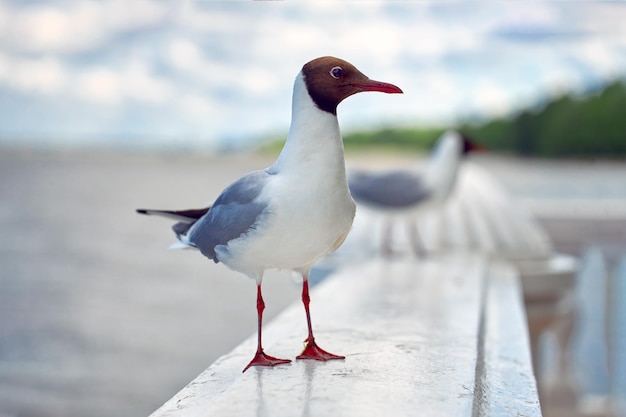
440 337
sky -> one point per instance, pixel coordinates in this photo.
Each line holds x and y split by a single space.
217 75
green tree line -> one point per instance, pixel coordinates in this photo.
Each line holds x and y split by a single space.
592 126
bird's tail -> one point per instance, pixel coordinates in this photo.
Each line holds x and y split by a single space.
185 216
186 219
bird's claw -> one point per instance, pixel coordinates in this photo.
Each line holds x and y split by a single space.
262 359
312 351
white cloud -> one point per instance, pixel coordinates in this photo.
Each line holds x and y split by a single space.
183 54
259 81
492 99
98 85
134 82
46 29
203 66
123 15
46 75
606 60
207 17
521 17
561 80
139 83
196 106
80 26
4 68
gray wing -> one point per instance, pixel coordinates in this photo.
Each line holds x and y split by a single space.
234 213
393 189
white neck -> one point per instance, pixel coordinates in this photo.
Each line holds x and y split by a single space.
442 166
314 141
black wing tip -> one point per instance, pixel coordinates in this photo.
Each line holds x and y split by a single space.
187 216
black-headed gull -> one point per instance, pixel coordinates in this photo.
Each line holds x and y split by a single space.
407 193
298 210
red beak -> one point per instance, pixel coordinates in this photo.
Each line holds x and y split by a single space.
371 85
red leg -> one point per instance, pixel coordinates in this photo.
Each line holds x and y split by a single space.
260 358
311 350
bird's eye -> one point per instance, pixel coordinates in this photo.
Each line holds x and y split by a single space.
336 72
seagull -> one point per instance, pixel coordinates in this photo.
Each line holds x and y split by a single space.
293 213
406 193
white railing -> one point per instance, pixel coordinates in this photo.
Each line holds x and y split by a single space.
437 337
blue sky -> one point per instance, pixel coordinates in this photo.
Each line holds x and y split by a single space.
214 74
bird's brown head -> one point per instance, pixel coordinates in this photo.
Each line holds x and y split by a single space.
329 80
470 146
